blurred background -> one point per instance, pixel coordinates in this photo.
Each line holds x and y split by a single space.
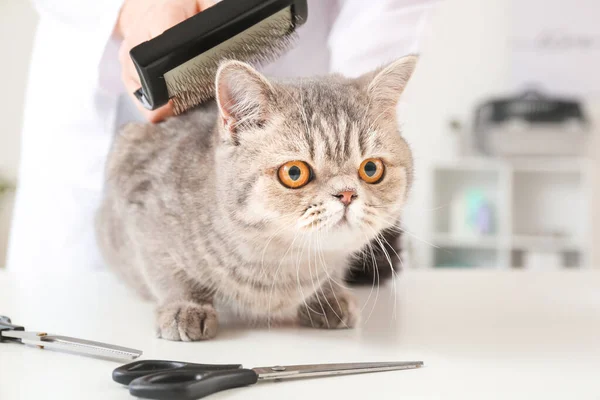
17 28
502 115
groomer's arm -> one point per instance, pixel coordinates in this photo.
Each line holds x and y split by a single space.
119 24
142 20
367 35
95 20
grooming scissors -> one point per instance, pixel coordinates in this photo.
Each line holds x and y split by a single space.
162 380
16 333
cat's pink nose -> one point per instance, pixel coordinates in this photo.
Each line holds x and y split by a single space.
346 196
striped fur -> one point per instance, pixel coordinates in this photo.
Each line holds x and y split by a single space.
194 216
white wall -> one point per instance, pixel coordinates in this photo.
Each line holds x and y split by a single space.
17 26
595 111
465 58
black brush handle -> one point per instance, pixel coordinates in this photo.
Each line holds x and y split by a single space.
6 325
197 34
188 384
128 372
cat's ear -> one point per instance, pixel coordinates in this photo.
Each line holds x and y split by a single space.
242 95
386 84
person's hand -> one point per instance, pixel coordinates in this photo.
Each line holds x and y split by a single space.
142 20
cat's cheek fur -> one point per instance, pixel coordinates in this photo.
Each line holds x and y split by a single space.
267 192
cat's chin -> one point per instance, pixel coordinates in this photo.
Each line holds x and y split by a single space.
343 223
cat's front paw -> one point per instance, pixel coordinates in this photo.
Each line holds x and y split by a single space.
330 311
186 321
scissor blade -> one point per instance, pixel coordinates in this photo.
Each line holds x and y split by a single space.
90 347
302 371
74 345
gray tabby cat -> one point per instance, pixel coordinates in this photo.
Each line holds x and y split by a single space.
257 201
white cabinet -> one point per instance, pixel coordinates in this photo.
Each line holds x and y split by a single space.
522 213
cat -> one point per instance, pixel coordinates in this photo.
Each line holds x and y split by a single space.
259 200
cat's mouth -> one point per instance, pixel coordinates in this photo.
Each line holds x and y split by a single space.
319 221
344 220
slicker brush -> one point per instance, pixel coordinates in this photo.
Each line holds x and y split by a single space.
181 64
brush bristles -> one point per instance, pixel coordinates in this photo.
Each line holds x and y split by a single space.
193 82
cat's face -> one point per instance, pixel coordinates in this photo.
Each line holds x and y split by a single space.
319 158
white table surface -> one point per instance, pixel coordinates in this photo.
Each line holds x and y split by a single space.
481 334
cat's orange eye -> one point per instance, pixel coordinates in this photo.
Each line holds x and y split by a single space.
294 174
371 170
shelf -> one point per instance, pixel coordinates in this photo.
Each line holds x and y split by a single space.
456 187
549 165
471 164
465 257
545 203
525 242
520 242
539 209
525 164
552 259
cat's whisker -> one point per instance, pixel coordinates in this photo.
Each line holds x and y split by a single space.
320 220
389 260
321 284
376 269
308 308
298 262
324 266
386 254
391 247
275 278
381 206
316 290
414 208
262 261
369 248
380 235
263 271
399 229
402 230
395 276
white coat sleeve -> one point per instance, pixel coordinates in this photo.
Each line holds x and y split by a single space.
367 35
94 20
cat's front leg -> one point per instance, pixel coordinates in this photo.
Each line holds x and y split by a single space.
185 310
331 307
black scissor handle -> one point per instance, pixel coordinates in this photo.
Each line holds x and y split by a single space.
5 325
188 384
128 372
